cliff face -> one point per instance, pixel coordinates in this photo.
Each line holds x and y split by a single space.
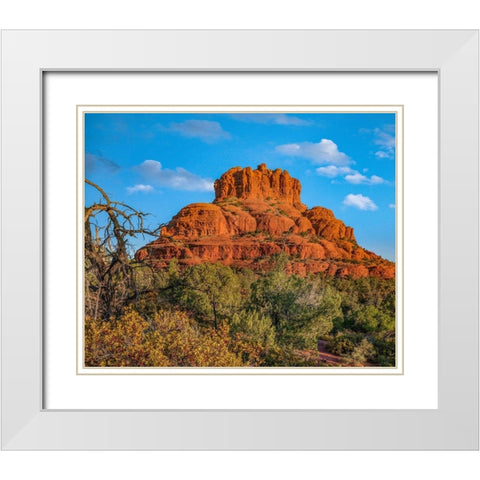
259 184
255 215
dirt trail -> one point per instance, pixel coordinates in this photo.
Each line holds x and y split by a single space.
327 357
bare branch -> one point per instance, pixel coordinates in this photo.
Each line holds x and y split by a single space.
106 254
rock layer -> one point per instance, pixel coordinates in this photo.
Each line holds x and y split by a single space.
260 184
257 214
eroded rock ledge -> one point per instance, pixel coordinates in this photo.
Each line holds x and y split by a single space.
255 215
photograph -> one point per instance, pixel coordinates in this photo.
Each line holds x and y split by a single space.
238 238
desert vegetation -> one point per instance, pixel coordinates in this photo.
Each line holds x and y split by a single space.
214 315
210 314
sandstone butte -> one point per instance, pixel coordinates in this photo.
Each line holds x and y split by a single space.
257 214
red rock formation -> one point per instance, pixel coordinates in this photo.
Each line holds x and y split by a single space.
262 183
255 215
326 225
197 220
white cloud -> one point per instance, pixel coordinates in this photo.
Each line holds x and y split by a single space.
356 178
351 176
140 188
384 138
282 119
94 163
359 179
289 149
205 130
271 118
324 151
386 141
376 180
392 205
360 202
332 171
179 179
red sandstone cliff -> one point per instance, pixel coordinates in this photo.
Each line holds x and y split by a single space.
255 215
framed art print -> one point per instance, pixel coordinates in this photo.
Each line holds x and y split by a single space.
245 262
231 244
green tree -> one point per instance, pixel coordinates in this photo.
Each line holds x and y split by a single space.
254 337
371 319
326 312
342 344
256 327
302 310
211 292
362 353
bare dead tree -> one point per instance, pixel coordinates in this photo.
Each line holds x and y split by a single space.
110 281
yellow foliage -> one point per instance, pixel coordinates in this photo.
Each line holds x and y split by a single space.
169 339
126 342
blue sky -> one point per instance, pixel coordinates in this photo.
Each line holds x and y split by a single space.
160 162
